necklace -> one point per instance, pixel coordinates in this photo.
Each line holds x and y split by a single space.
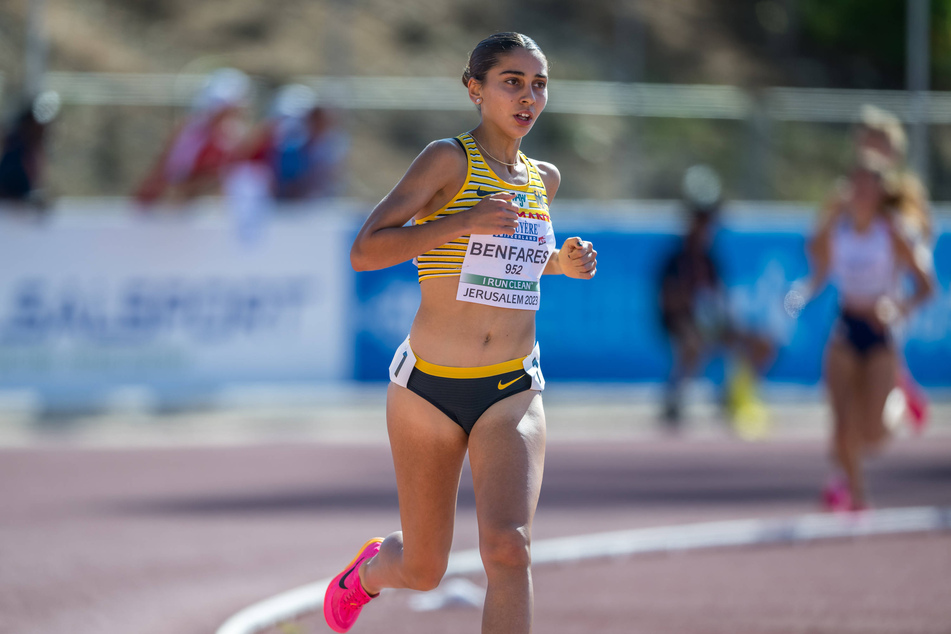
484 151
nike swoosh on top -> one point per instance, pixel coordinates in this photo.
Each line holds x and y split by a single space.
484 192
502 386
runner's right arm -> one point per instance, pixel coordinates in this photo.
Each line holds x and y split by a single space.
431 181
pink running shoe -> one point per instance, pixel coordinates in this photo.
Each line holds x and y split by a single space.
916 401
345 595
836 496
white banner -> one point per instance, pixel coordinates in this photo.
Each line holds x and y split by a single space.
183 304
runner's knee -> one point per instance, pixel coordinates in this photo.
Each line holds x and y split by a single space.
505 547
423 575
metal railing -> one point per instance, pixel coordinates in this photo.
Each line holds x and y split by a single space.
821 105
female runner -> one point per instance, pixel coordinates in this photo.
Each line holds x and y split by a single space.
880 133
467 378
860 245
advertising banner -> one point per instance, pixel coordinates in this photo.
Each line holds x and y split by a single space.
609 328
187 305
183 305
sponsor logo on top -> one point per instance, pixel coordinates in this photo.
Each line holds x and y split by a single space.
526 231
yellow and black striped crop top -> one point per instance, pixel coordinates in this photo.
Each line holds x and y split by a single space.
481 181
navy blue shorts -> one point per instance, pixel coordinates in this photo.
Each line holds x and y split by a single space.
464 394
860 334
464 400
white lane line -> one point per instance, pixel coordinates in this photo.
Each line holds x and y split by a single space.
309 598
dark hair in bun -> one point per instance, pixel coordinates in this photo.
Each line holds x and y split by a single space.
486 54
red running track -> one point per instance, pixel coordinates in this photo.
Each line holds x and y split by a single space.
176 540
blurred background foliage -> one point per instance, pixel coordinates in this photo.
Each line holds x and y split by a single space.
752 44
863 41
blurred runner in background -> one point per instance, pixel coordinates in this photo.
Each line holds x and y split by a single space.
695 313
864 247
880 137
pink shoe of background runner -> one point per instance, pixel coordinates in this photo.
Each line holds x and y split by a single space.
835 496
916 401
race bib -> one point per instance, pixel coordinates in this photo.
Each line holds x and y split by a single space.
504 271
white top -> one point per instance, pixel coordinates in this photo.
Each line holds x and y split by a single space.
863 264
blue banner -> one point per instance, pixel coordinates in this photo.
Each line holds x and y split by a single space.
609 328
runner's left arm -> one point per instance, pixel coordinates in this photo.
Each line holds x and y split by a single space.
576 258
920 262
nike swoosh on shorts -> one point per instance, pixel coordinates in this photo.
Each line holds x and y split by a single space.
502 386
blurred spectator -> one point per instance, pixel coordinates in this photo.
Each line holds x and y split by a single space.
302 146
694 312
22 160
198 153
294 155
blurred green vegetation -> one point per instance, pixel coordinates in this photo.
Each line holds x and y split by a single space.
869 36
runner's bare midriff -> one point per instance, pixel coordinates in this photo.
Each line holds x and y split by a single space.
463 334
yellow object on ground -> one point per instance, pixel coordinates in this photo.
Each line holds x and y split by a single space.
749 415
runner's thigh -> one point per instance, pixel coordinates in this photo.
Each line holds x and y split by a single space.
428 451
507 456
841 372
879 378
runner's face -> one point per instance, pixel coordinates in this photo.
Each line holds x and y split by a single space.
867 194
515 91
